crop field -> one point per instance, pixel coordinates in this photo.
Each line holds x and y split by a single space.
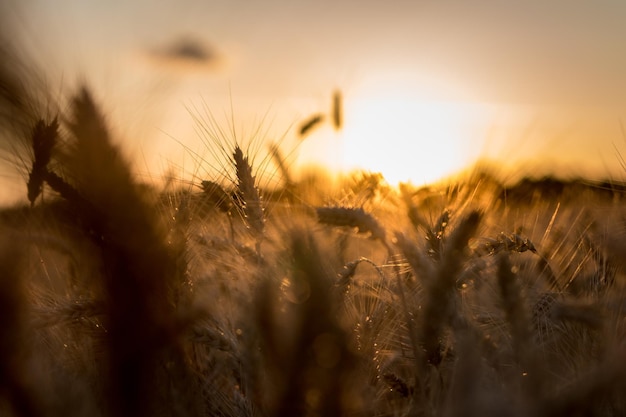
256 292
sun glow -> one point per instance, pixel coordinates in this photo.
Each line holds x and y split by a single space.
407 139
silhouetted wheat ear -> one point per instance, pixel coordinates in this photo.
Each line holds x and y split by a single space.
434 235
348 271
351 217
217 196
249 193
421 265
140 267
437 310
512 243
44 138
337 110
66 190
311 123
517 243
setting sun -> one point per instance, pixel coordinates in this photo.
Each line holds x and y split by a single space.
402 137
408 139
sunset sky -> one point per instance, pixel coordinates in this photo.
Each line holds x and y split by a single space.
428 86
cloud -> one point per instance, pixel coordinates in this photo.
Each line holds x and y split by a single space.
187 52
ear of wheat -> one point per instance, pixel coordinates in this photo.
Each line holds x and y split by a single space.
337 110
310 124
139 268
435 235
216 196
44 138
249 193
437 310
351 217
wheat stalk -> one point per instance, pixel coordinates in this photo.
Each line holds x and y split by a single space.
516 315
438 302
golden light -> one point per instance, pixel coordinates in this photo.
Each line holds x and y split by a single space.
408 139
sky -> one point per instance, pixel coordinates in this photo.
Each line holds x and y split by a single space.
428 87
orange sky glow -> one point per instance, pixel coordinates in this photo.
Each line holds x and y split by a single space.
428 87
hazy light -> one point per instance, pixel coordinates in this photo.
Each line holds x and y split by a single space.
407 139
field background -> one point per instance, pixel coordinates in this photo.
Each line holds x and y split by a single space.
427 88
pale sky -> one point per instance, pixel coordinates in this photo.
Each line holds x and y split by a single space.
428 86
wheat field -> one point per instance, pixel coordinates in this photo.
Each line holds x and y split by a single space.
221 296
